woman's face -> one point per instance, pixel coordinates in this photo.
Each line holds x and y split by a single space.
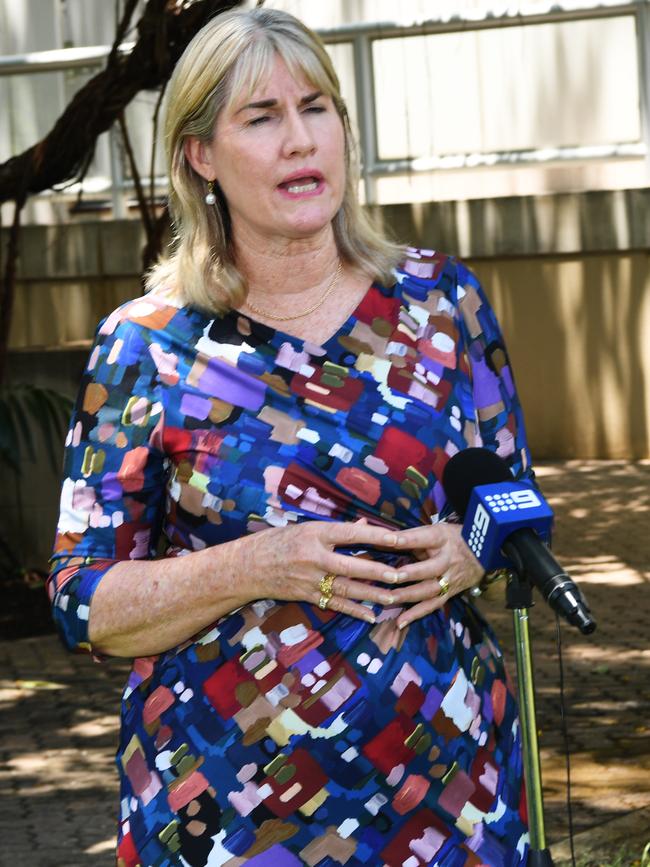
279 159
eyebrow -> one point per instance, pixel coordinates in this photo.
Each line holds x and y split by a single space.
272 103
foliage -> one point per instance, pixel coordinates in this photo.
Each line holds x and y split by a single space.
25 412
24 409
163 30
162 33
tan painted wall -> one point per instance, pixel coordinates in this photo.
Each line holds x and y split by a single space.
578 332
577 324
443 95
577 328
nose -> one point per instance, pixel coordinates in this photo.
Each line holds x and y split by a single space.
299 137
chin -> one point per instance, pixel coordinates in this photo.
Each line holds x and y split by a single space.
309 225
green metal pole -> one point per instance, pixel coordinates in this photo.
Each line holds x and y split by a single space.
532 769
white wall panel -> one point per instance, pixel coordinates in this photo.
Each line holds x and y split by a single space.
29 104
524 87
92 22
542 85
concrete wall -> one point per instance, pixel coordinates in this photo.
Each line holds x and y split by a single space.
569 277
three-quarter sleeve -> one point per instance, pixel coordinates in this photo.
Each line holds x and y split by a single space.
114 474
498 413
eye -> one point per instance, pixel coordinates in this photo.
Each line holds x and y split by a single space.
258 121
315 109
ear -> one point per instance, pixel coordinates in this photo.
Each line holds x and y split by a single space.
197 153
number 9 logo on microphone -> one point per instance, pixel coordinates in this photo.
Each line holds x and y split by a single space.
495 511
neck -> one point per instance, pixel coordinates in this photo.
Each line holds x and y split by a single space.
284 267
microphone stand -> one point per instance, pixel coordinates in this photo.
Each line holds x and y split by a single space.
519 598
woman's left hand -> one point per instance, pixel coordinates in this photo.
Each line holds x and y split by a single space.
441 552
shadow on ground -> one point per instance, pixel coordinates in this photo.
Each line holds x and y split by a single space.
58 712
602 539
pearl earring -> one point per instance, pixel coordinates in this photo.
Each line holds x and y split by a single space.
210 198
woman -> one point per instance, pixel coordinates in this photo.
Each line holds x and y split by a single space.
252 506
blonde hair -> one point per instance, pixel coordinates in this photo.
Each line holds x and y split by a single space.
225 60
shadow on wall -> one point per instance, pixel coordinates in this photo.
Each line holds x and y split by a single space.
577 325
578 332
576 319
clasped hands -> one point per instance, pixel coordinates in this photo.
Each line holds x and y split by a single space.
301 563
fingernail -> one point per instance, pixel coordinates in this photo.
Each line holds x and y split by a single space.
402 576
390 539
386 599
371 618
391 576
402 625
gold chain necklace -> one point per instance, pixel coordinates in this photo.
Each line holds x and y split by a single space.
321 300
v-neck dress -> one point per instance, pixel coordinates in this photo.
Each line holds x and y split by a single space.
282 734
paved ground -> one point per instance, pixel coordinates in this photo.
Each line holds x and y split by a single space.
603 537
58 723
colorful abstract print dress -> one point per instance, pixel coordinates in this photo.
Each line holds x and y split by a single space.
286 735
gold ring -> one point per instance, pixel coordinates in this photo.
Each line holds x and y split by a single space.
326 584
324 601
443 584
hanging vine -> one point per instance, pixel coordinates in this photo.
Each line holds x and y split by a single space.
63 155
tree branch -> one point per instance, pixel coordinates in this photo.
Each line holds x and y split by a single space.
164 30
9 287
143 205
154 139
121 30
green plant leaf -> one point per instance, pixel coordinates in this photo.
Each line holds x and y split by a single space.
9 445
24 409
645 858
58 410
23 424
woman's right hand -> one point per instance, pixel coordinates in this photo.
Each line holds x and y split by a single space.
288 563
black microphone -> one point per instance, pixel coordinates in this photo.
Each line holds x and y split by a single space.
530 557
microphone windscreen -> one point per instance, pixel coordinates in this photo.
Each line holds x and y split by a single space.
467 470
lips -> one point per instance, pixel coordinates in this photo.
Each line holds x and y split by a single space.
299 183
302 182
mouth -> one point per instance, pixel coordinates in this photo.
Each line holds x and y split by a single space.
298 185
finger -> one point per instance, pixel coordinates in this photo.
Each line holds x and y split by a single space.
420 592
428 536
345 606
420 610
422 570
361 568
341 533
352 609
347 589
